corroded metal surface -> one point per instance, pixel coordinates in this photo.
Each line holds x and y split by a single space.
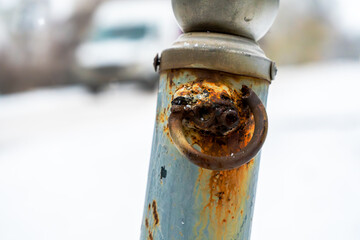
152 220
192 202
220 119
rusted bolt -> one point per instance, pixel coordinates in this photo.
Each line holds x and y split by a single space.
180 101
273 70
204 116
230 118
156 62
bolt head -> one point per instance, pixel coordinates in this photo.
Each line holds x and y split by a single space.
273 70
156 62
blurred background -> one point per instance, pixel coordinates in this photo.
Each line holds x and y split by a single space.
77 109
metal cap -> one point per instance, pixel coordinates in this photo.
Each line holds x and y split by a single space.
247 18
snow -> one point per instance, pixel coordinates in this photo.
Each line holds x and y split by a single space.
66 165
67 168
310 169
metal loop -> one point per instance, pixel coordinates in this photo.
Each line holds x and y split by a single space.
224 162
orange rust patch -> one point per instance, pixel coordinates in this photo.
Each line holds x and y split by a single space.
167 133
225 145
150 236
161 116
215 76
155 213
216 90
155 220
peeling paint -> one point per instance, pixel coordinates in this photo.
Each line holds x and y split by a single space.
151 224
196 203
163 172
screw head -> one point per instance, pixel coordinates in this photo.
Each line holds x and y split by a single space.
156 62
273 70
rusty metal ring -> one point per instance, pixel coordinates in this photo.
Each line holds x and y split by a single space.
224 162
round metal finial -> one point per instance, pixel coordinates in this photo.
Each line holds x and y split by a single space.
248 18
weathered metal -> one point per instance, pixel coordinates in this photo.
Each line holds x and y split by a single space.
217 51
251 19
193 202
210 125
214 113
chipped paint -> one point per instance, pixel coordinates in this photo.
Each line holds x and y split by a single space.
195 203
155 213
222 198
151 220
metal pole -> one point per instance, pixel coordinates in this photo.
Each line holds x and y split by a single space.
211 122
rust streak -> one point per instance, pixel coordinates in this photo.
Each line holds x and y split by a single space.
155 220
221 195
155 213
150 236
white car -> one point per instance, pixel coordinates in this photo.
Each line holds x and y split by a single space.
123 40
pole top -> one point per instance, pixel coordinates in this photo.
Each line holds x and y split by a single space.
247 18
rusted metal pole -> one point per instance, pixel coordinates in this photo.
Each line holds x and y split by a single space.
211 122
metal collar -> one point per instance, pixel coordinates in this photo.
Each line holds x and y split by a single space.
221 52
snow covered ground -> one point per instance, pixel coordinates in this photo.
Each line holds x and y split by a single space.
67 169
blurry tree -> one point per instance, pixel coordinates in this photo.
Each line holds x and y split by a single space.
305 31
39 50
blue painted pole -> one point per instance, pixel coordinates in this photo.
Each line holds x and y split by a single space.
210 123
